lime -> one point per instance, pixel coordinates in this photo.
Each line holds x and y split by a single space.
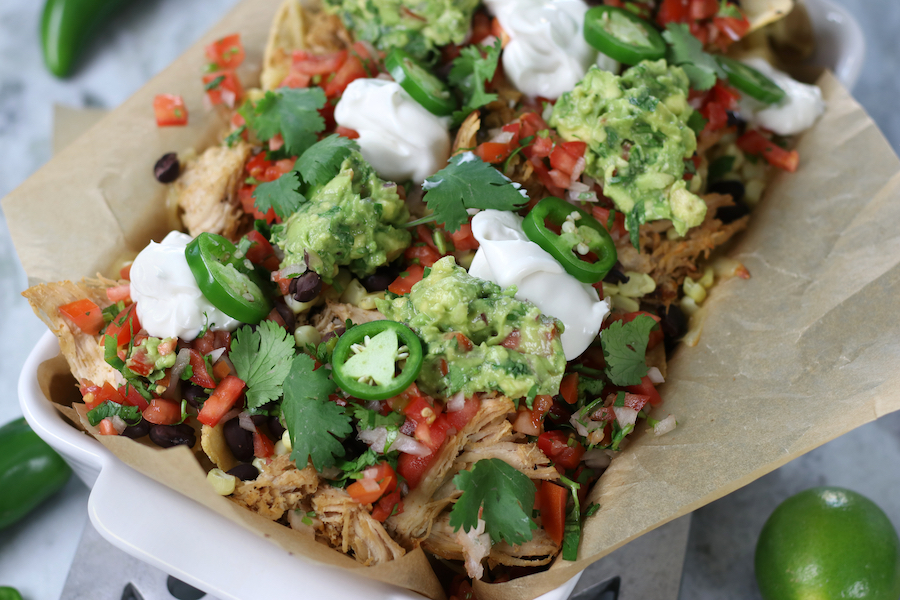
828 543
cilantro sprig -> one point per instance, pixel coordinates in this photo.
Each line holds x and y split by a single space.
467 182
130 414
625 348
294 113
686 51
262 359
316 425
505 494
470 71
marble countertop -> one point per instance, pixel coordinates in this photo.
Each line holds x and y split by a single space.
35 555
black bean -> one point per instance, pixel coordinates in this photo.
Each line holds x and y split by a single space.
167 169
167 436
735 121
729 214
307 287
276 427
729 187
137 431
380 279
673 323
194 394
244 472
287 314
239 440
616 276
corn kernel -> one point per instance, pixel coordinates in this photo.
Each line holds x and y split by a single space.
708 277
306 335
753 191
222 482
694 290
625 303
672 235
688 306
637 286
286 440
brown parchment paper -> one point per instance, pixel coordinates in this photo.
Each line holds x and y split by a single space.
804 351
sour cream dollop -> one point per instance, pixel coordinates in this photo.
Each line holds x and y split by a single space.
169 303
799 109
507 257
397 135
547 53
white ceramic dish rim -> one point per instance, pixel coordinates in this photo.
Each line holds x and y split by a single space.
212 553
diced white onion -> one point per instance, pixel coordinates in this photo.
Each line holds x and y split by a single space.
118 423
595 458
578 170
504 137
295 520
664 426
246 422
369 485
456 402
230 415
181 361
655 376
625 416
289 271
476 545
376 439
216 354
584 428
373 405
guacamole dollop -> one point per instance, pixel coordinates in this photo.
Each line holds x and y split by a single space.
509 346
355 220
418 26
635 127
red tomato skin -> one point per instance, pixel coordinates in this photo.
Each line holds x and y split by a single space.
106 427
125 326
170 110
553 510
646 388
460 418
308 63
463 238
555 445
226 53
228 91
412 468
85 314
568 388
403 284
426 255
162 412
201 374
221 401
261 252
132 397
753 142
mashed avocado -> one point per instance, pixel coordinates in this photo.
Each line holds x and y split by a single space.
418 26
514 349
635 126
355 220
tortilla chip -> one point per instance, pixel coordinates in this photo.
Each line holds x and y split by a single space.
286 35
212 440
762 12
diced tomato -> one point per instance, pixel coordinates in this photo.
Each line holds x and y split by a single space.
512 340
646 388
309 63
139 362
726 95
422 409
618 224
703 9
119 292
94 395
162 412
425 255
635 401
559 179
460 418
125 326
565 156
125 272
221 370
107 428
131 397
376 481
481 28
673 11
656 335
200 375
541 147
568 389
530 124
261 252
222 340
493 152
387 504
716 116
545 178
169 110
284 283
733 28
753 142
221 401
262 445
412 468
296 80
464 343
227 53
346 132
564 451
463 239
205 343
85 314
223 87
433 434
352 69
531 421
553 500
404 283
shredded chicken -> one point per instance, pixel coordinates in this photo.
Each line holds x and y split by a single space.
335 314
443 541
207 190
325 32
279 488
349 527
83 352
667 261
526 458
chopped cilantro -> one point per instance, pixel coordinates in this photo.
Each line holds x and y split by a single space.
591 510
468 75
625 347
283 195
353 469
262 359
720 167
130 414
215 83
729 10
111 353
572 531
505 494
697 122
315 424
322 161
633 221
294 113
235 135
369 419
187 373
686 51
467 182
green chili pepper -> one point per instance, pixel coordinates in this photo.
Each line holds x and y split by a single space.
622 35
425 88
750 81
366 358
8 593
581 234
67 25
232 285
30 472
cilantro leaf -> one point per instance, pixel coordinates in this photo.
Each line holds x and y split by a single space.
625 347
729 10
468 75
322 161
294 113
283 195
315 424
353 469
130 414
506 495
262 359
686 51
468 182
369 419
